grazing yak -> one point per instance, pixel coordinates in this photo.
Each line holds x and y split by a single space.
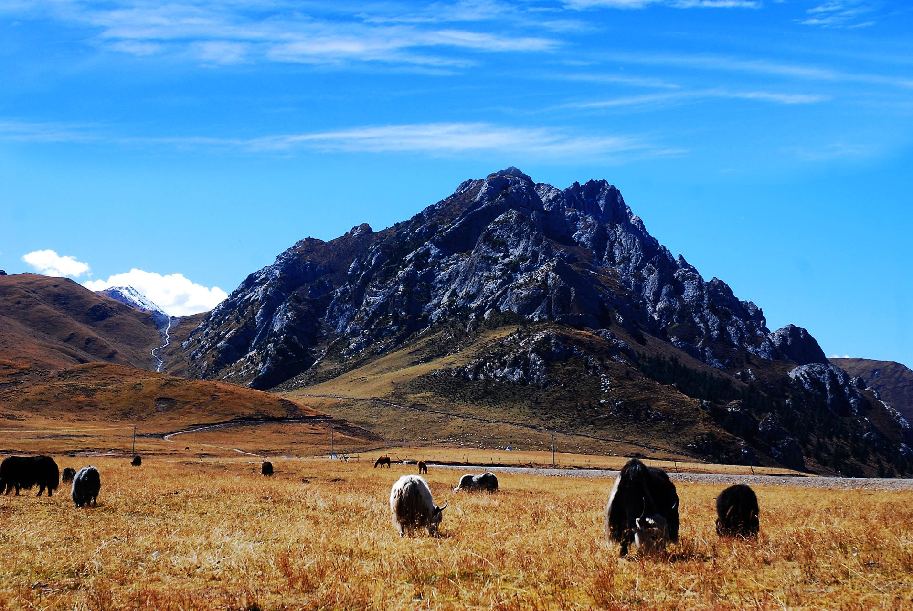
737 512
137 461
68 474
26 471
487 482
422 467
642 509
266 468
412 506
383 460
86 485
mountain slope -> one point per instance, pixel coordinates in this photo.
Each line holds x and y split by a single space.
893 381
597 327
55 322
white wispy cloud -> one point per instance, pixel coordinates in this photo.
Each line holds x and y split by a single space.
174 293
37 131
456 138
246 31
743 65
49 263
680 4
659 99
849 14
427 138
832 151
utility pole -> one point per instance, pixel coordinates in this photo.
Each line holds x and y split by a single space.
134 440
553 449
332 444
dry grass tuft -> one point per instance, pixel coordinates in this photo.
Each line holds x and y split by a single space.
185 534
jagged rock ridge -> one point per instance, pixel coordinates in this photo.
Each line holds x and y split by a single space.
505 248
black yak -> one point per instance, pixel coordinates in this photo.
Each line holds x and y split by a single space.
486 482
266 468
422 467
137 460
383 460
26 471
86 486
68 474
642 508
412 506
737 512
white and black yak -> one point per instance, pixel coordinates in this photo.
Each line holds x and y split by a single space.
412 506
642 509
737 511
86 486
485 482
17 472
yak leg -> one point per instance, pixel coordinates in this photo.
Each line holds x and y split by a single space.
40 489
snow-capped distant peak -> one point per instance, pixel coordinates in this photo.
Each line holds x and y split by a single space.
133 298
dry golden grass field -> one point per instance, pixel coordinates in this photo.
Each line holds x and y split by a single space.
199 534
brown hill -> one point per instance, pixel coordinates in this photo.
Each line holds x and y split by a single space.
93 405
893 381
54 322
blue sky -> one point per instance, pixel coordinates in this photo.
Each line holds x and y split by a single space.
181 145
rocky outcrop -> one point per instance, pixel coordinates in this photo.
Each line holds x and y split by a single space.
832 385
796 344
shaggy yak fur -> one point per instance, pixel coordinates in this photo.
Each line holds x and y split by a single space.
86 485
642 508
68 474
383 460
266 468
412 506
17 472
422 467
137 461
487 482
738 514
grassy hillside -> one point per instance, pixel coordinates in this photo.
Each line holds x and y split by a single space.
55 322
412 395
94 407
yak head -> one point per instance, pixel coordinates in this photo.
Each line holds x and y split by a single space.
436 516
650 533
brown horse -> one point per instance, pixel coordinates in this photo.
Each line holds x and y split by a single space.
383 460
422 467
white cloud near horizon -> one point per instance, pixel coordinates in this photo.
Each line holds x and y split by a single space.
49 263
174 293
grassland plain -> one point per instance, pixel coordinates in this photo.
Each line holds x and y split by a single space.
200 534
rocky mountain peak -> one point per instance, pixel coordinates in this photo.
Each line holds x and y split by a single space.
499 245
505 256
